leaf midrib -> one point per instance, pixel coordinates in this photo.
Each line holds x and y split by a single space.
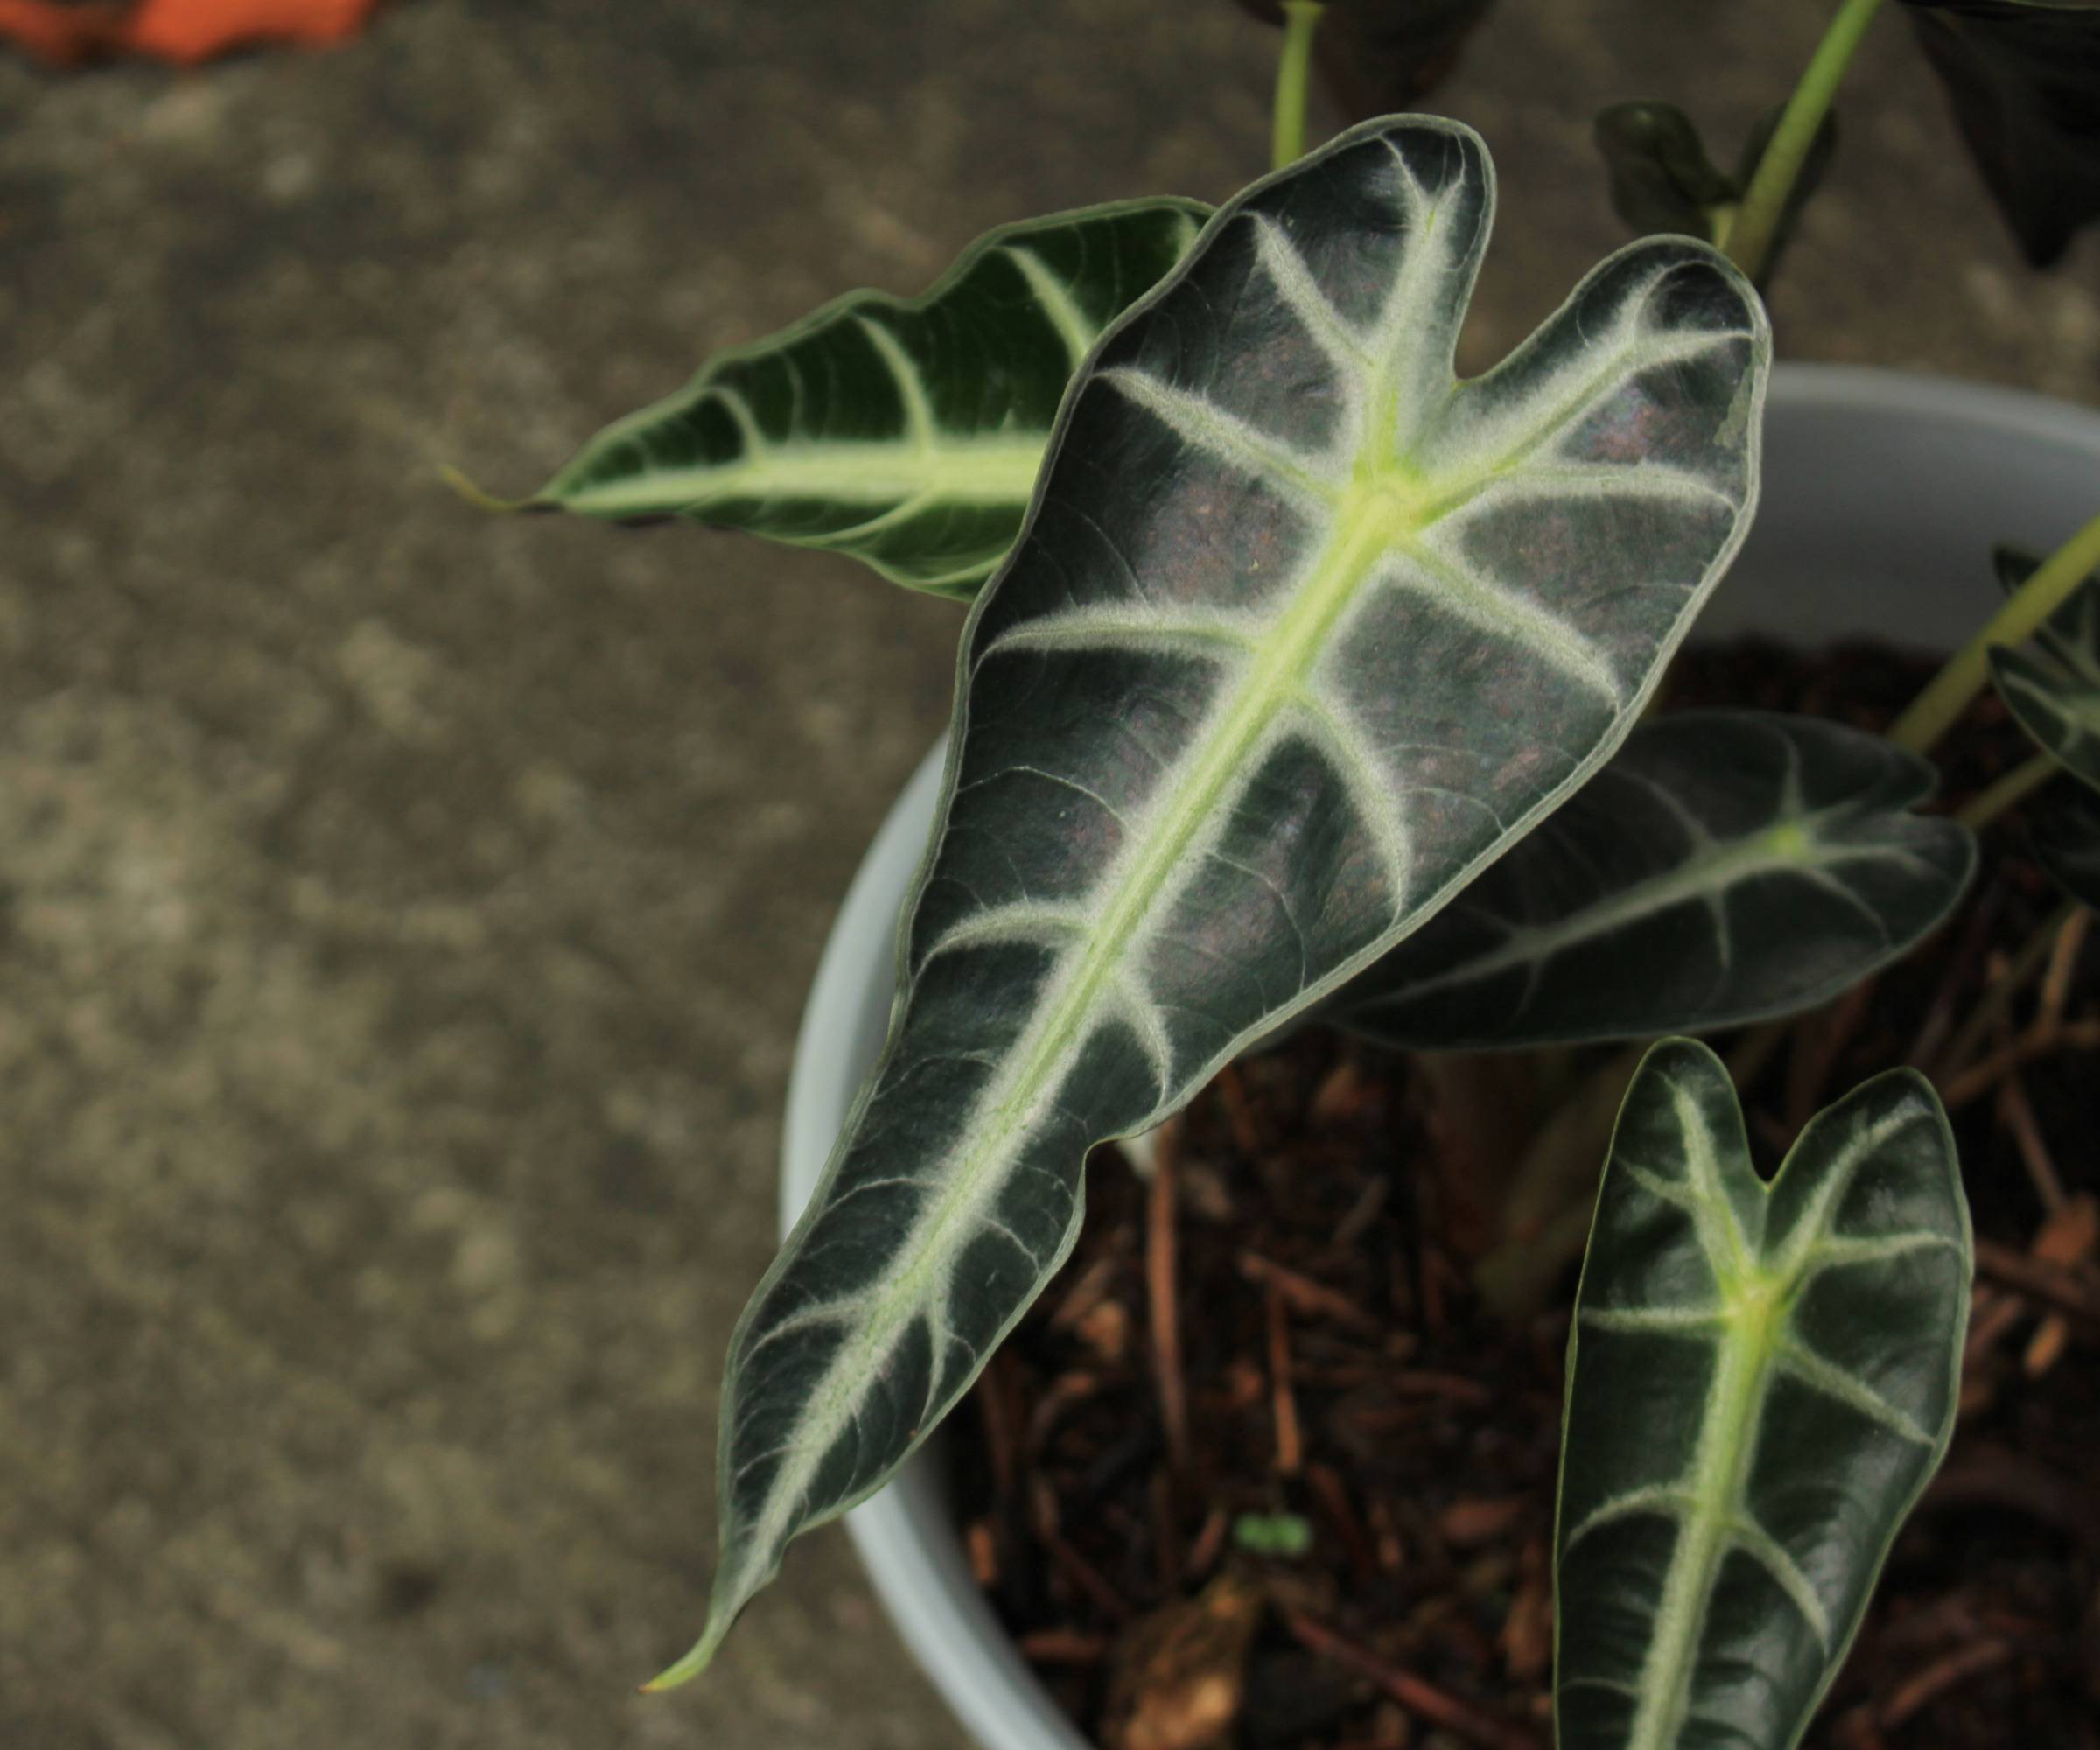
1706 874
1368 523
973 471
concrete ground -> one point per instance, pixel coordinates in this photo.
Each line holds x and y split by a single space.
404 914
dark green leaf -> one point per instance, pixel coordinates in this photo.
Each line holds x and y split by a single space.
2023 79
1662 180
1761 1381
905 432
1726 867
1379 56
2013 565
1302 632
2052 683
2067 842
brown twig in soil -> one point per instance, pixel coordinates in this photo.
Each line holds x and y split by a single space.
1428 1382
1313 1298
1159 1279
2067 1238
2063 962
1239 1112
1987 1474
1332 1495
1963 1663
1063 1646
2016 1113
1961 965
2005 984
1414 1692
2045 1283
1210 1543
1289 1446
2034 1043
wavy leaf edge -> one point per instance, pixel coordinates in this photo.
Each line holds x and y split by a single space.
1740 421
1013 455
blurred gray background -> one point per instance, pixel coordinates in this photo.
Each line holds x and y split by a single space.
405 914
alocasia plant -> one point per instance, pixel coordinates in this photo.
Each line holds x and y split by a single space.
1302 679
1302 632
1737 1347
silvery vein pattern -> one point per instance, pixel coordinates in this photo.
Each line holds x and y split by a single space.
2067 844
905 433
2052 683
1301 633
1761 1381
1724 867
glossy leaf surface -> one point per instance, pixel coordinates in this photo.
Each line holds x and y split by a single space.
2052 683
2067 842
2023 80
1377 56
1724 867
904 432
1303 632
1761 1381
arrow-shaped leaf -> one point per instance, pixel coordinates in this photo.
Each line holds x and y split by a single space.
2067 842
1724 867
1302 632
904 431
2023 80
2052 683
1761 1381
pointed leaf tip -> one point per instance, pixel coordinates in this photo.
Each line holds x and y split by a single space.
685 1669
458 482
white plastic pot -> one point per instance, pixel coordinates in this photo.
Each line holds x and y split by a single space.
1883 495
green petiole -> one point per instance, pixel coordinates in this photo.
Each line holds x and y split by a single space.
1755 222
1947 695
1287 140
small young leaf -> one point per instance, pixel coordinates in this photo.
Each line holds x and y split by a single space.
2023 80
2052 683
2067 843
904 431
1272 1533
1302 632
1726 867
1662 180
1761 1380
1379 56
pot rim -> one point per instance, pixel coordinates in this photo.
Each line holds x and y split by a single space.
924 1582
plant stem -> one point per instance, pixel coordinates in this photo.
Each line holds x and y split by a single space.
1757 222
1288 139
1987 804
1947 695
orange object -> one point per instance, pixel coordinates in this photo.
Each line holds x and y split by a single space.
183 31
